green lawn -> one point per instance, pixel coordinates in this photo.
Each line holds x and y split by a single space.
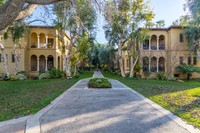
20 98
183 99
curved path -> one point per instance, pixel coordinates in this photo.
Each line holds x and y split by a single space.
117 110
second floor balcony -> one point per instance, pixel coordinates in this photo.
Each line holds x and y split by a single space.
154 43
42 40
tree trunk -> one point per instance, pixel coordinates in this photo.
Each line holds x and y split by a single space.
188 77
17 59
121 64
133 65
75 71
5 60
68 67
68 61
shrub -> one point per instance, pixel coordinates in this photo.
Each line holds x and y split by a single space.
147 74
160 76
44 76
137 68
188 70
56 73
18 77
22 72
99 83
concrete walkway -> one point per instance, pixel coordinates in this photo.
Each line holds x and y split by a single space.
117 110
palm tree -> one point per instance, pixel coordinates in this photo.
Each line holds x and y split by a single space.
188 70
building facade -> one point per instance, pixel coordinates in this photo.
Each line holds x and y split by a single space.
41 50
165 49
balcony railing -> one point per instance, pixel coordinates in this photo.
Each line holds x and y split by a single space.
42 45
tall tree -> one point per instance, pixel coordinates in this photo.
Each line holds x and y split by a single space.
160 24
192 30
17 31
123 18
75 18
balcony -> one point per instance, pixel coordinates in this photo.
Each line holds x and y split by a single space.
42 45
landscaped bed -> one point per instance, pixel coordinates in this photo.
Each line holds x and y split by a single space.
99 83
20 98
183 99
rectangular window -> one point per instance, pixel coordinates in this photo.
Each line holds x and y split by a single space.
181 60
189 60
194 60
13 58
181 38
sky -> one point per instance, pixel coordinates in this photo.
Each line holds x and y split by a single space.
168 10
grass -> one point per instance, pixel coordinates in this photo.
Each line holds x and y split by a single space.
183 99
20 98
99 83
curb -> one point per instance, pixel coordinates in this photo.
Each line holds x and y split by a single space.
33 123
167 113
14 121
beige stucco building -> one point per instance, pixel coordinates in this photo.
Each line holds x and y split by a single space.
42 49
165 49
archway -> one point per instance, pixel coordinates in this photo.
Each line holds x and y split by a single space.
153 64
145 64
161 42
161 65
153 42
33 63
50 62
42 63
33 40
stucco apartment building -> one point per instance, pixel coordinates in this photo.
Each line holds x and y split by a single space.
165 49
42 49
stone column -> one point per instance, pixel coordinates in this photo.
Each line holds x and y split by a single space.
157 64
46 67
46 41
150 44
38 39
157 43
38 64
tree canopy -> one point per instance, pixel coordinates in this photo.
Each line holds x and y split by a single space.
192 24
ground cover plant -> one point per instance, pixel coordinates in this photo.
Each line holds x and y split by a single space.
20 98
182 99
99 83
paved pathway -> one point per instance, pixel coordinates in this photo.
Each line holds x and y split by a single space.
116 110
